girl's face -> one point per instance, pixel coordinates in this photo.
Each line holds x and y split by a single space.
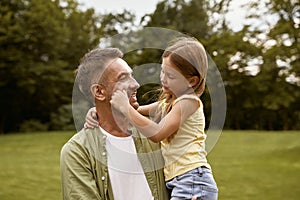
172 80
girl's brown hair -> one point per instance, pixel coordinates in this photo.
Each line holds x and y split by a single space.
189 56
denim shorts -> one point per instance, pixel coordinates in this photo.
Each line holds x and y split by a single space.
198 183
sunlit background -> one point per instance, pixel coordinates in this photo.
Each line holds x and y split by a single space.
255 46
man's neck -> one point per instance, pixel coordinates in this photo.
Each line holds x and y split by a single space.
115 124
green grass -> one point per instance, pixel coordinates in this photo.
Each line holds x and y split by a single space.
29 166
257 165
246 165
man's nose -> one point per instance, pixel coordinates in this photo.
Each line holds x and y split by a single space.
134 84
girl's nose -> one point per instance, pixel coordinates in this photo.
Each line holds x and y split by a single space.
162 77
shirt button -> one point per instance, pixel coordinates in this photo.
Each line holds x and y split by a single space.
103 178
103 153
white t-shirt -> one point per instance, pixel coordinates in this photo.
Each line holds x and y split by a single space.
125 171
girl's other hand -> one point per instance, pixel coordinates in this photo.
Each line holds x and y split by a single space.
91 119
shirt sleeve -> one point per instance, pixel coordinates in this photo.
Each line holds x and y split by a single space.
78 178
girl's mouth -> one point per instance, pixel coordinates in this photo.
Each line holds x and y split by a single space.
165 87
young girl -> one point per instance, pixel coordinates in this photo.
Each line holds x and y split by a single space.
179 121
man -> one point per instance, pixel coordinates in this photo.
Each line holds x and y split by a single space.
110 162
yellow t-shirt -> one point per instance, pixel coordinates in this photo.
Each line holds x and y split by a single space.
186 151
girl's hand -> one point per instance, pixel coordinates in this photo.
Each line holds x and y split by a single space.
120 101
91 119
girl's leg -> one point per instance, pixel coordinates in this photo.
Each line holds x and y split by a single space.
196 184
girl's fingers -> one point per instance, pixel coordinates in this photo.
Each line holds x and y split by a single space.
91 119
94 115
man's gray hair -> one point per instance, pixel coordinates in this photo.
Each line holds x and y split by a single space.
92 66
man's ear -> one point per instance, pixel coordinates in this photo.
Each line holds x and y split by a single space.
194 80
98 92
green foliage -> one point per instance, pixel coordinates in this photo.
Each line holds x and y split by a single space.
62 120
42 42
33 125
259 66
188 17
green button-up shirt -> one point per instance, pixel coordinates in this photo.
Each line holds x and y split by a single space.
84 170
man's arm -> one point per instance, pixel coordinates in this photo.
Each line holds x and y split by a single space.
78 180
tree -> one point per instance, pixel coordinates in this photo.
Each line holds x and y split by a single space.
41 44
190 17
186 17
259 64
279 76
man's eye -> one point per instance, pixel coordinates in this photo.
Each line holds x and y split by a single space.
123 77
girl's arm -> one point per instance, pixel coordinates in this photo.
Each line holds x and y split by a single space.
148 110
91 119
155 131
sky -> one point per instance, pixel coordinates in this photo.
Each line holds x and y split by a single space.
139 7
142 7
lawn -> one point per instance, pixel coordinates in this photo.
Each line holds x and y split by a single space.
29 166
246 165
257 165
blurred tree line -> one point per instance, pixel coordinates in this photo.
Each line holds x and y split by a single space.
42 43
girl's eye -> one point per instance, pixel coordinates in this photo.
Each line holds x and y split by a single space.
170 76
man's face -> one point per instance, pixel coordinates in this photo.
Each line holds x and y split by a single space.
119 77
